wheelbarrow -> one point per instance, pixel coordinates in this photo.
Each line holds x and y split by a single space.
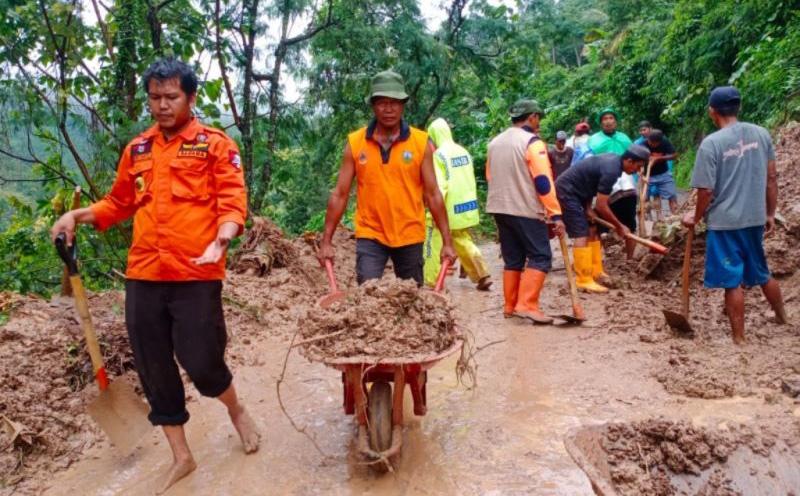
374 393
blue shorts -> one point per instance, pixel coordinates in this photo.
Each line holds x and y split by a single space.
662 185
735 258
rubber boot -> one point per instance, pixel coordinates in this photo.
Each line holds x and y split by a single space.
529 289
598 274
510 291
583 270
485 283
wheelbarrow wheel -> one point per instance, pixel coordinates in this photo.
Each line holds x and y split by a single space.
380 416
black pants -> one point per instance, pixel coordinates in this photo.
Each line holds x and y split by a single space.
524 243
183 320
371 258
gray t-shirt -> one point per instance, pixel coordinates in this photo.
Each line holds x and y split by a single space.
732 162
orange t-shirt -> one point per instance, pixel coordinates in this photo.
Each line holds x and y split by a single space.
179 192
389 198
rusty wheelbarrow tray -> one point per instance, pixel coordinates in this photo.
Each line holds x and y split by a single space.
377 405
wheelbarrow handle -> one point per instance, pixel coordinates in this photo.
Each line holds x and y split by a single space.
69 254
442 274
331 276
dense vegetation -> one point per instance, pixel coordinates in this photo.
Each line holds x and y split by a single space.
71 97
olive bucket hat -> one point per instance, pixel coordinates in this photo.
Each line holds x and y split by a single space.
389 84
524 107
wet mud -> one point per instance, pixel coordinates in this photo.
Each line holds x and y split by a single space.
379 320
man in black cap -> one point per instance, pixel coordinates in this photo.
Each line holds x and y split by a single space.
737 194
576 187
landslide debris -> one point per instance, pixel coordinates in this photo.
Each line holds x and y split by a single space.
663 457
386 318
45 372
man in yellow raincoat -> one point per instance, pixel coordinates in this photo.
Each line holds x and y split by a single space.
456 178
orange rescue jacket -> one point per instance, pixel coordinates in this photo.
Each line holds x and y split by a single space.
179 192
389 198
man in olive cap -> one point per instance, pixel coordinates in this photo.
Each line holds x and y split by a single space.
392 165
522 199
577 187
737 193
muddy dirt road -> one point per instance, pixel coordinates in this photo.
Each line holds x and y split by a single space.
505 437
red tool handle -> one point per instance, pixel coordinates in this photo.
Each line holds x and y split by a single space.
442 274
331 277
102 378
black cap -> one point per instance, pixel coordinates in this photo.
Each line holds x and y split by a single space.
724 97
637 152
644 124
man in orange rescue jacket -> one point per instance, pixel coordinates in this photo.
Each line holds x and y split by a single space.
392 165
183 185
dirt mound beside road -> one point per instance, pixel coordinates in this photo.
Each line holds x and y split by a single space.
45 373
663 457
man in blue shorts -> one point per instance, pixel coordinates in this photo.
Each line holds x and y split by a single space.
661 184
737 192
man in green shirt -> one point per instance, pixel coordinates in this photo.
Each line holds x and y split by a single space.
608 139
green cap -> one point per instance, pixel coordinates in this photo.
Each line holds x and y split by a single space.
607 110
389 84
523 107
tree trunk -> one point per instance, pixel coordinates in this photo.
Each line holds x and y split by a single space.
248 106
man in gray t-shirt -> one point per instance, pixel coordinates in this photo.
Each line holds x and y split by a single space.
737 192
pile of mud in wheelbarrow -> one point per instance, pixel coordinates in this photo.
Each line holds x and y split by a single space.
382 336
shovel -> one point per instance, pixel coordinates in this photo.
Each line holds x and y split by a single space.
680 322
654 247
118 411
577 317
335 294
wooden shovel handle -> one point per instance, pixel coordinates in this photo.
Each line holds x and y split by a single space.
331 276
687 257
642 241
573 289
82 305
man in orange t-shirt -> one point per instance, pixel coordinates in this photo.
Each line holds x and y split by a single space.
392 165
183 185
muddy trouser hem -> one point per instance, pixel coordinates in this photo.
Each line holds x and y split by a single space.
371 258
524 243
176 320
468 253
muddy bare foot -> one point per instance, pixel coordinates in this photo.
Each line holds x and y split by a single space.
178 470
248 432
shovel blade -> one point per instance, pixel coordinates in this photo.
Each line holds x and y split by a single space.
329 299
570 319
122 415
678 323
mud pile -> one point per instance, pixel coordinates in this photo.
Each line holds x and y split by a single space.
662 457
45 372
271 303
264 247
386 318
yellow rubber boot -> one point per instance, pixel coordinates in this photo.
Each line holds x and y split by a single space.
510 291
583 270
529 290
598 273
